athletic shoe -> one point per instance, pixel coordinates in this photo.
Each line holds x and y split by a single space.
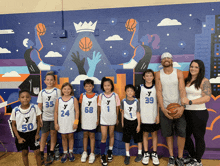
171 161
64 158
110 156
155 159
179 161
71 157
84 157
50 159
138 158
146 158
127 160
91 158
192 163
42 159
187 159
103 160
199 164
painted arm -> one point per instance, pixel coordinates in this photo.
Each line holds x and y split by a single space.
39 45
92 63
134 39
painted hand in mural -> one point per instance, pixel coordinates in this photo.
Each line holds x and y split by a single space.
79 63
92 63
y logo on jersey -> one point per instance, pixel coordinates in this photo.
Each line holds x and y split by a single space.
130 108
149 93
108 101
89 103
49 97
65 106
26 119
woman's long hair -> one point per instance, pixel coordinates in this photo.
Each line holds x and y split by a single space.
200 76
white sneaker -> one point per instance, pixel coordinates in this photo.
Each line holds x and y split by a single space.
146 158
84 156
155 159
91 158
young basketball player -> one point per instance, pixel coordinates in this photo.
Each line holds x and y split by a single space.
89 119
108 104
131 122
46 102
26 126
149 115
66 119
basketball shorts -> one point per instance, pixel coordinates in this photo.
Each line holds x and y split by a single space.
47 126
150 127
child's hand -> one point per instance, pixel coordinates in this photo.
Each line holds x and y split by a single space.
117 122
57 127
37 136
157 120
138 129
75 126
21 140
41 123
122 124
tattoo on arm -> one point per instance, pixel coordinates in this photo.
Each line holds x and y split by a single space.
206 88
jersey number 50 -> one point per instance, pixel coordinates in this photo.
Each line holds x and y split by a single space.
26 127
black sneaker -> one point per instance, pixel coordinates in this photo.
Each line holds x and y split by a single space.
110 156
103 160
187 159
127 160
171 161
138 158
179 161
50 159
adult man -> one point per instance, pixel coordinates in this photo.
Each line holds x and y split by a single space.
171 89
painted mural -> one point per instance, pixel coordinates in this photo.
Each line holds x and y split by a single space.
117 43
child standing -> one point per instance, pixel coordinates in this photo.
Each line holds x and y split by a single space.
46 102
89 119
26 126
149 115
109 105
66 119
131 122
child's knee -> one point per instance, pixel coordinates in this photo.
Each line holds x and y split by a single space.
92 135
24 153
37 152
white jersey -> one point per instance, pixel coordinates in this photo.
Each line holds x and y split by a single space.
148 104
66 115
108 114
26 122
130 110
48 98
89 112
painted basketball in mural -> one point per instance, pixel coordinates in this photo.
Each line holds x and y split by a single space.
41 29
85 44
131 24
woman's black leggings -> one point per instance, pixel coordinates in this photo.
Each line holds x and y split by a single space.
196 124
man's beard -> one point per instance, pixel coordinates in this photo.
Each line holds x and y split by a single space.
168 65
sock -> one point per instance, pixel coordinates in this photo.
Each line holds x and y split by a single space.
102 147
65 152
140 152
110 147
127 153
71 151
42 153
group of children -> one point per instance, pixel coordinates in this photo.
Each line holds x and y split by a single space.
60 112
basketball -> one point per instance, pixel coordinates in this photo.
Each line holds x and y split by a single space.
41 29
131 24
171 107
85 44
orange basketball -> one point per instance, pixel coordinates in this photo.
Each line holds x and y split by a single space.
131 24
41 29
85 44
171 107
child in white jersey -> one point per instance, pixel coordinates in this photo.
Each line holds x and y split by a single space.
131 122
149 115
46 102
89 119
66 119
108 105
26 126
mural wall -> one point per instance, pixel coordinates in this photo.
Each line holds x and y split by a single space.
117 43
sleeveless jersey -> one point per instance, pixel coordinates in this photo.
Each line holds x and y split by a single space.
66 115
170 87
108 114
26 122
49 100
130 110
148 104
89 112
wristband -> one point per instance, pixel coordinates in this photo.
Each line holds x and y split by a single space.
76 122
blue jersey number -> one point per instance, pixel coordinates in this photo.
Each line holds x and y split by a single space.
88 109
131 115
27 127
108 108
49 104
149 100
63 113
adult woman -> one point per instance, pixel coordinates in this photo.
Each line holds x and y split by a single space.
198 91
